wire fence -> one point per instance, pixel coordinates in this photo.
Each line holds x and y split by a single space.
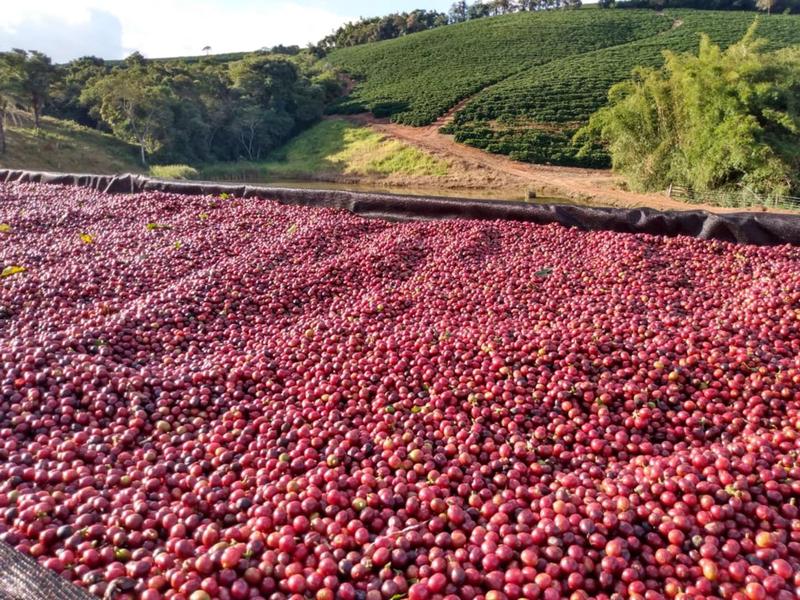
740 198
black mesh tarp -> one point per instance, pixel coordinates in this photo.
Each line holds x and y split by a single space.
22 578
745 227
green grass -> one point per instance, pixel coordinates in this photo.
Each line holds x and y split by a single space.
417 78
66 146
332 149
173 172
533 115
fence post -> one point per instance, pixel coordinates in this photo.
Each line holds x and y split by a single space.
669 191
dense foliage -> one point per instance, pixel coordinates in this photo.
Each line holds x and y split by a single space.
461 11
25 78
176 110
68 85
381 28
769 6
210 111
716 119
417 78
533 115
210 397
10 94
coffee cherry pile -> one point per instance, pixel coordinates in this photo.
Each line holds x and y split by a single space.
211 397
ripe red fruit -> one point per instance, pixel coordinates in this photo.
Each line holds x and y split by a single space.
301 402
710 570
614 548
782 569
755 591
240 590
455 515
437 583
231 556
296 584
418 591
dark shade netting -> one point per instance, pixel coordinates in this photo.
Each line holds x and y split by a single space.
22 578
745 227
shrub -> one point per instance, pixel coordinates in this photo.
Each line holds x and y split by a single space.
712 120
173 172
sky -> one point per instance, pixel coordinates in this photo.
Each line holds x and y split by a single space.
112 29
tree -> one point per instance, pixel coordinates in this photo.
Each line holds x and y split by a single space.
273 101
206 50
458 12
217 103
135 59
35 72
714 120
10 91
136 108
478 10
501 7
251 127
68 83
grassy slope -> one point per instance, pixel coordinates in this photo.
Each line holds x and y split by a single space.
65 146
417 78
331 150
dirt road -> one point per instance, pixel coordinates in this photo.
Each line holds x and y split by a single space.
592 186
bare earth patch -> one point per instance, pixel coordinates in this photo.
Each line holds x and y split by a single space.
498 172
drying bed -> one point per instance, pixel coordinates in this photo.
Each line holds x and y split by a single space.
211 396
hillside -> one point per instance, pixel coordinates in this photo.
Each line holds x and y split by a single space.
65 146
418 77
530 79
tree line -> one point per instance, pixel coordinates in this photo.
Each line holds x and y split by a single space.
208 108
395 25
767 6
461 11
376 29
174 110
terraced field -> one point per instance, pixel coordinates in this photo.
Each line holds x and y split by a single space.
535 78
417 78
